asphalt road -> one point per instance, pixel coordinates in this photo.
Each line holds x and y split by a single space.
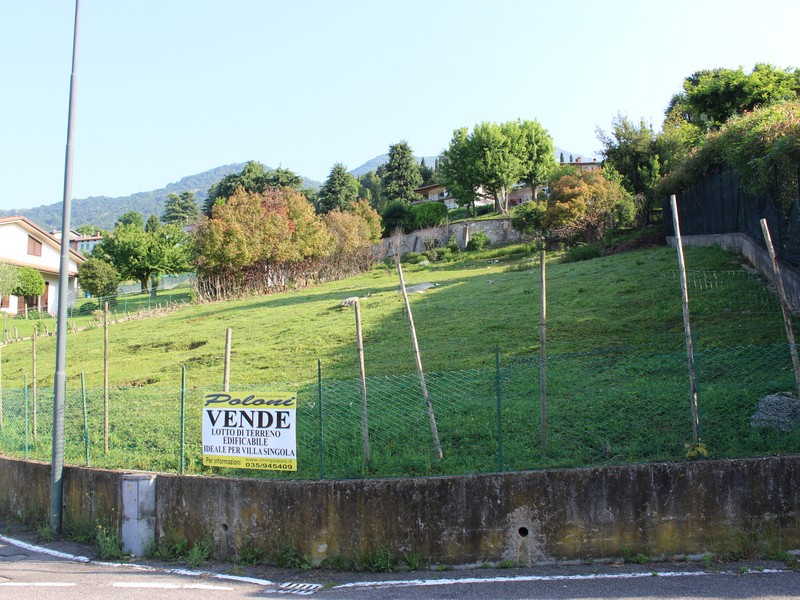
60 571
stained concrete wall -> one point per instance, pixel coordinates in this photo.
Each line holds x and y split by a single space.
525 517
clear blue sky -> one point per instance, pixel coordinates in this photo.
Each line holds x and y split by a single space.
169 88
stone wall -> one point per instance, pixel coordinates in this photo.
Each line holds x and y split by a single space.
498 230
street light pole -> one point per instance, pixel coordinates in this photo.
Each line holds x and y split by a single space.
60 385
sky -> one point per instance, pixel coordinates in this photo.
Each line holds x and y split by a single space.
170 88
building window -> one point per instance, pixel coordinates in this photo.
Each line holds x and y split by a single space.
34 246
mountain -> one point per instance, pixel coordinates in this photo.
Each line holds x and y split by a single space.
103 211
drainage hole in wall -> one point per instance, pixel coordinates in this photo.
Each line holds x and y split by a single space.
224 527
523 532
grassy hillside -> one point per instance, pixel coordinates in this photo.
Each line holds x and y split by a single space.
479 302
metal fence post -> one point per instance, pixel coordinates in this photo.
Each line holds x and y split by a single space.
183 417
499 407
321 430
26 415
85 418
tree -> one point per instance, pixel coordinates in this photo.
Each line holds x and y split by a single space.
139 254
493 158
585 205
427 173
132 217
401 175
90 230
632 151
538 154
281 177
369 188
397 215
711 97
98 277
252 178
181 210
152 225
30 283
8 279
340 190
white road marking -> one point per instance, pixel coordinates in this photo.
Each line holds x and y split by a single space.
170 586
467 580
37 584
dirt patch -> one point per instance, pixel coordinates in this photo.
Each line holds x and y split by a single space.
646 240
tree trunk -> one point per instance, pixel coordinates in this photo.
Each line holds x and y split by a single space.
143 281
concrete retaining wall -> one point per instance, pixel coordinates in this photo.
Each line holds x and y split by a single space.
526 517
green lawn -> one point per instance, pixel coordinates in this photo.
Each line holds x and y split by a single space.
616 367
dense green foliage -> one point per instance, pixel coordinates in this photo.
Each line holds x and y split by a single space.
8 279
762 146
401 175
139 254
181 209
492 158
428 214
339 191
711 97
29 282
257 243
98 277
253 178
396 216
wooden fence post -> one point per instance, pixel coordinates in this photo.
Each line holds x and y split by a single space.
787 314
362 385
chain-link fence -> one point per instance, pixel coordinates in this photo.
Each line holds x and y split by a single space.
609 406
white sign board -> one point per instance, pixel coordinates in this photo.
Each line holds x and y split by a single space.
250 430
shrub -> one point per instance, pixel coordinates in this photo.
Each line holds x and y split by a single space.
452 244
478 241
484 210
98 277
412 258
582 252
396 215
429 214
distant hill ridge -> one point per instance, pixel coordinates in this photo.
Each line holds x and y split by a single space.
103 211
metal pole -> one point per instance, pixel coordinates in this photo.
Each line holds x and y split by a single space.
27 443
499 408
105 379
542 349
321 429
85 418
60 385
183 417
686 324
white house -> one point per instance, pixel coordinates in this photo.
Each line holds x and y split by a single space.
25 244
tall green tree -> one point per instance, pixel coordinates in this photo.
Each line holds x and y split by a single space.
538 154
456 169
340 190
631 149
181 209
401 175
369 188
281 177
427 173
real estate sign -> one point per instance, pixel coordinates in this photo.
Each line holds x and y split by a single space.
250 430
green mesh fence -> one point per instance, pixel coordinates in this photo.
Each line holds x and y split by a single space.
609 406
